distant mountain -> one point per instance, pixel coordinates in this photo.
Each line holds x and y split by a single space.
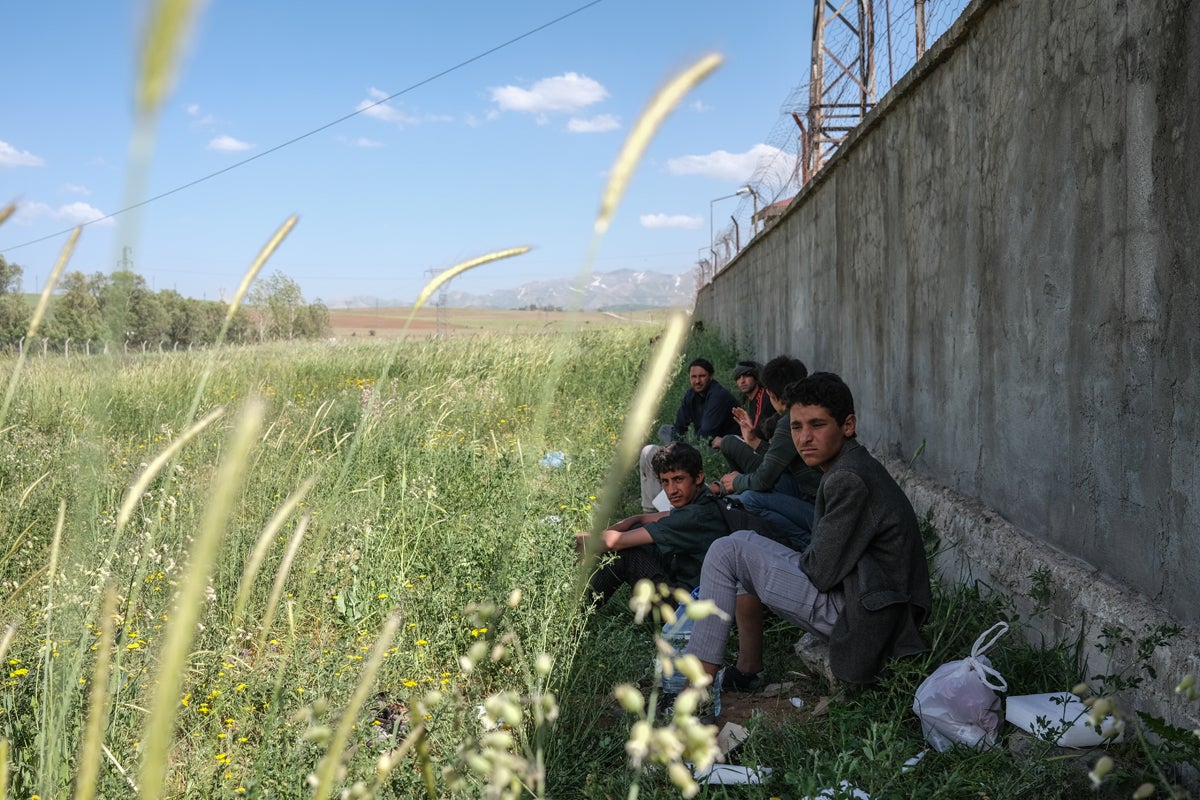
619 290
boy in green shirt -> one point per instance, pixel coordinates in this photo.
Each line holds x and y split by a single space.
663 546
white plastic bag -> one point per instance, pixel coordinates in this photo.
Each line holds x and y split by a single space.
958 703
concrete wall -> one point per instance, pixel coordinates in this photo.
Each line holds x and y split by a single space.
1003 263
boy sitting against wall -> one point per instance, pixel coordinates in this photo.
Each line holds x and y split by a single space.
863 582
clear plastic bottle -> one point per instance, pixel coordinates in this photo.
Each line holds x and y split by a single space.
677 633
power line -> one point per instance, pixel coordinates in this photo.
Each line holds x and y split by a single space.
314 131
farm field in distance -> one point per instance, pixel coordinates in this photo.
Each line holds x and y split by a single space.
390 323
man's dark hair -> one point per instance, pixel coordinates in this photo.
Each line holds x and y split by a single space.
822 389
678 455
781 371
703 363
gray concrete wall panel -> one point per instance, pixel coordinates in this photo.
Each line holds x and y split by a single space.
1002 261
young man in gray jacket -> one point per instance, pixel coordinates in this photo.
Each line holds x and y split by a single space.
863 582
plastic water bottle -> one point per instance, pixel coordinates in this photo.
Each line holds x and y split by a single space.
678 634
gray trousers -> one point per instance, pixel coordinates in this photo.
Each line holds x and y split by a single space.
745 563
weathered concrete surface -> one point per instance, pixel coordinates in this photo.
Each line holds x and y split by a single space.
1003 264
977 545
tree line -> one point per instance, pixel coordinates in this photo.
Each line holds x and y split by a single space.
120 309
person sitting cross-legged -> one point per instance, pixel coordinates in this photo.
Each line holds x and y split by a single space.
863 582
667 546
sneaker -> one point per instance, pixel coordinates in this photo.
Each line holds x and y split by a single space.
707 712
735 680
665 709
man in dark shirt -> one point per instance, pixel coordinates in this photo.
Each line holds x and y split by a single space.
667 546
707 407
863 583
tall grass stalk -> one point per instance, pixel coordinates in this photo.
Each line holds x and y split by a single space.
650 120
634 147
5 641
427 292
642 410
190 600
10 631
89 758
247 280
259 553
327 770
281 577
54 711
3 768
138 488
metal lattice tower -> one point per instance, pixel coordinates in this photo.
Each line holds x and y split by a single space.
841 90
440 305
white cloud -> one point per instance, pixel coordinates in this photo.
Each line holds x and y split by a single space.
363 141
12 157
683 221
193 111
73 188
71 214
80 212
701 106
598 124
228 144
761 159
565 93
374 108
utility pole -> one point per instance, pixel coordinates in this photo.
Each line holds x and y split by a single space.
841 88
443 326
919 7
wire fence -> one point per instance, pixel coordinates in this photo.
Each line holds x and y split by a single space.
778 176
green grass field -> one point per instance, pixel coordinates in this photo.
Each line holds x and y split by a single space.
427 500
358 580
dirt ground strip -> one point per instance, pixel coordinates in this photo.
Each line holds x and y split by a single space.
391 323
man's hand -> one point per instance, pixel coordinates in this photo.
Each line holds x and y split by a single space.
747 425
581 540
727 480
716 443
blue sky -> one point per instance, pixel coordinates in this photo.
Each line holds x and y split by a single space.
511 149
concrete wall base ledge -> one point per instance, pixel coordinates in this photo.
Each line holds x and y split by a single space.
980 545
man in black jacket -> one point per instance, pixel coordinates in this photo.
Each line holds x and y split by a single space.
707 407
